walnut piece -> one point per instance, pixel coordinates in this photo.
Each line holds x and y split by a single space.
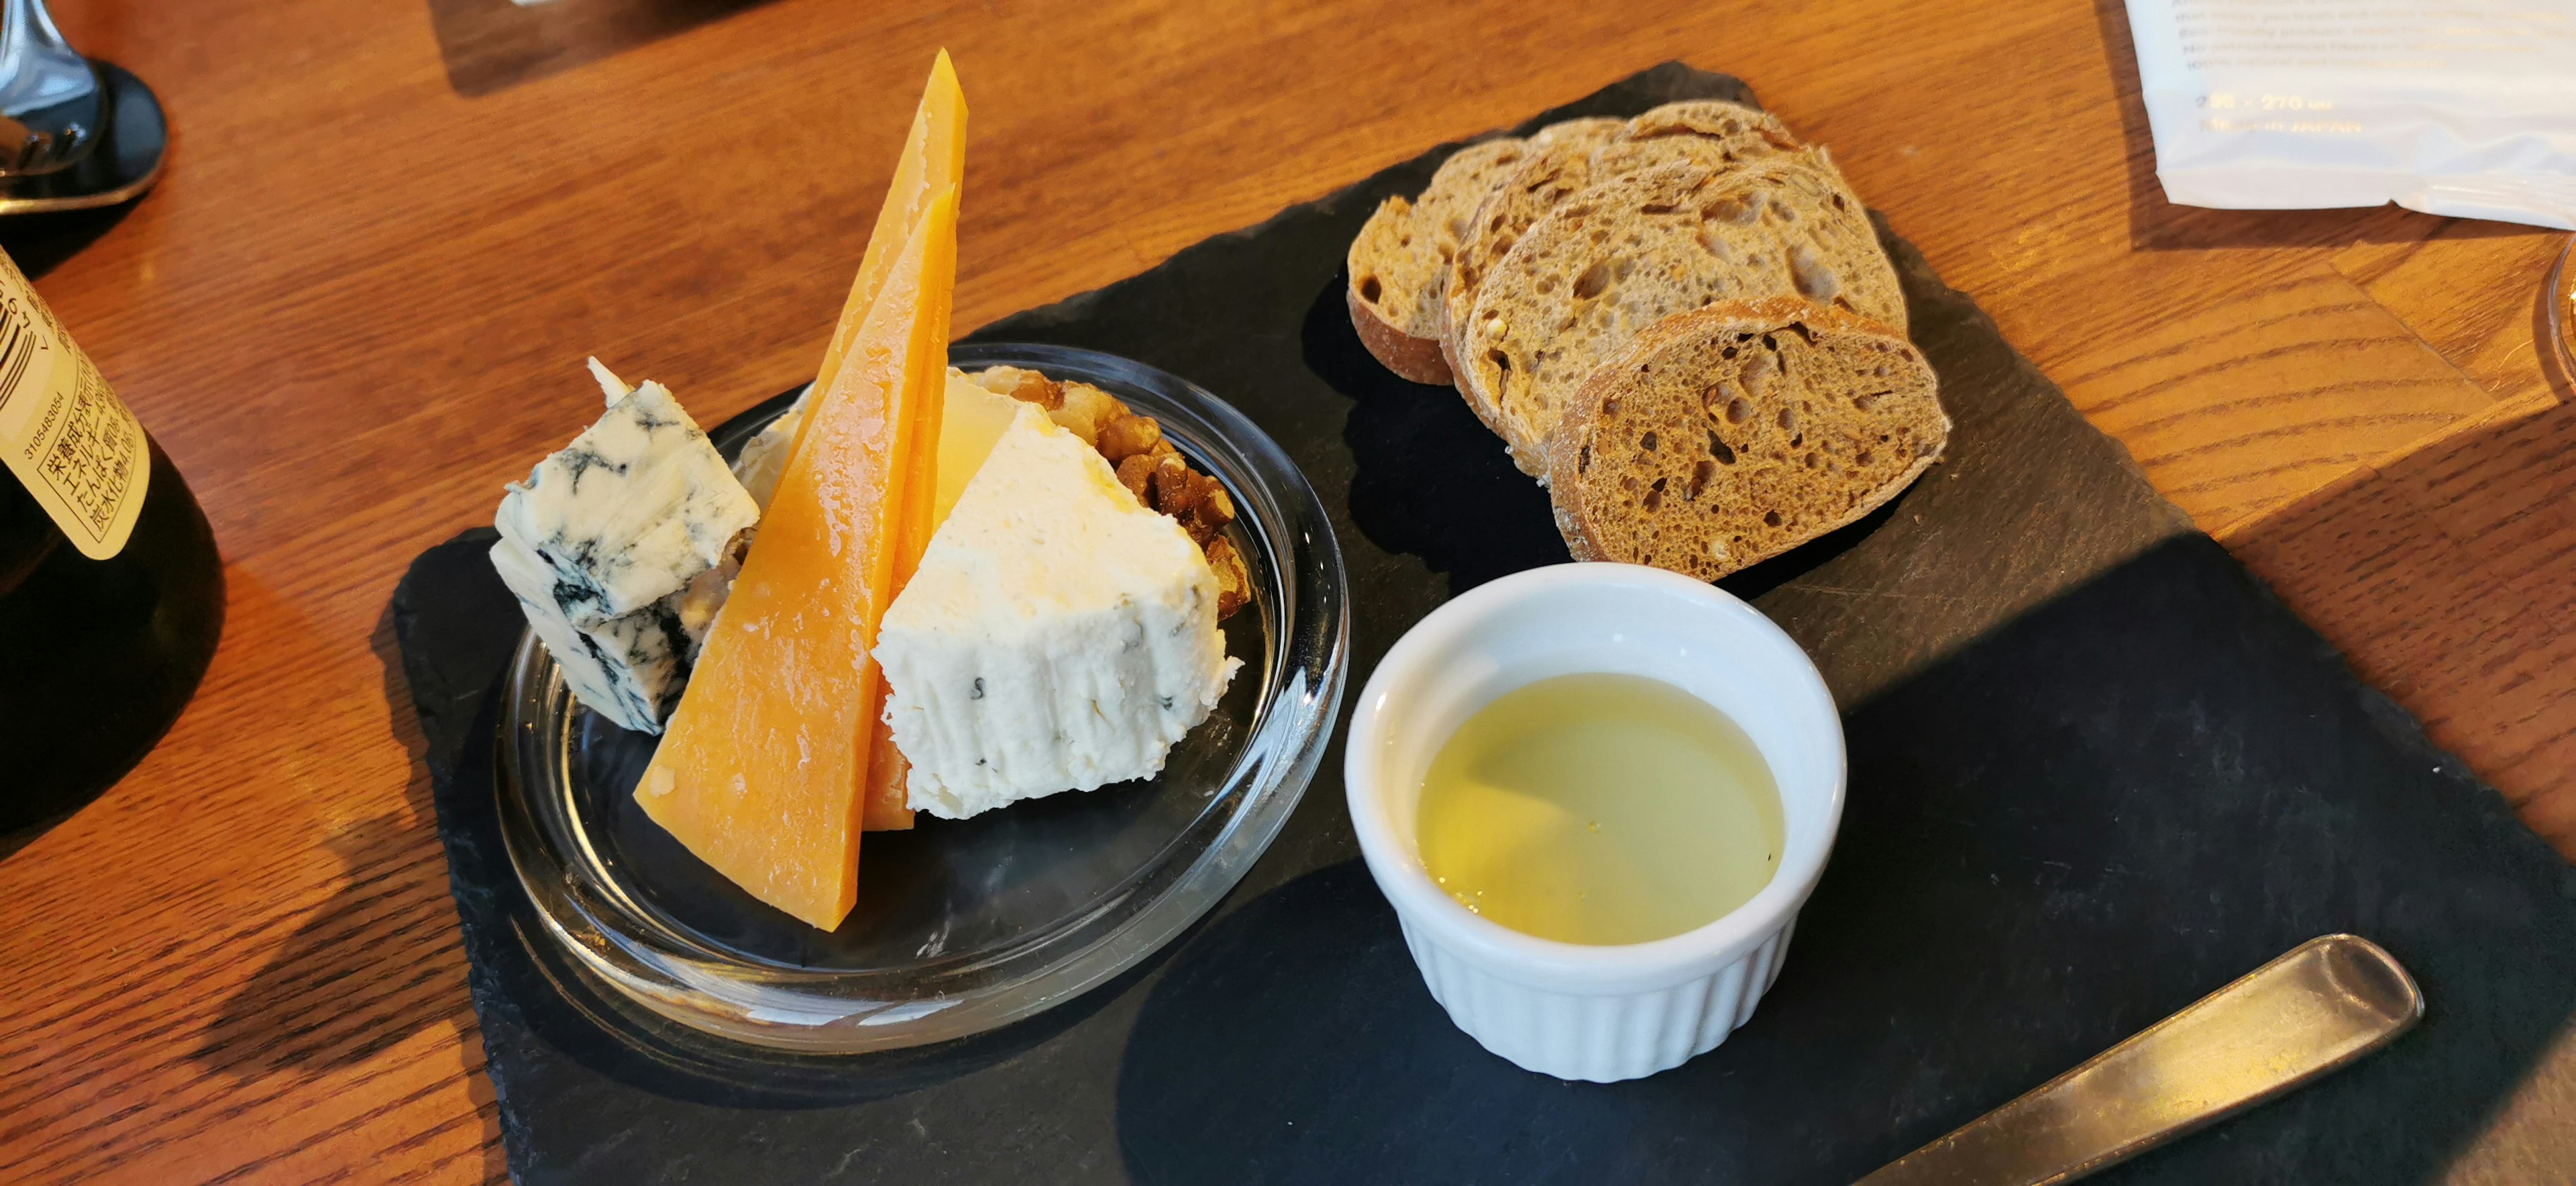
1028 387
1233 584
1078 408
1136 473
1127 435
1085 410
1148 466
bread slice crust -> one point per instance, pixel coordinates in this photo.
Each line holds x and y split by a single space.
1709 117
1400 259
1589 128
1727 435
1418 359
1617 258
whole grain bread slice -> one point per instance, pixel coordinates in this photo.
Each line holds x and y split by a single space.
1730 434
1400 259
1711 132
1590 129
1618 257
1550 174
1708 117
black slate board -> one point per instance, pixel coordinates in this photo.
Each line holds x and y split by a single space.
2096 772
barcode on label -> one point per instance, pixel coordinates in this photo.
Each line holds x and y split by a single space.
19 342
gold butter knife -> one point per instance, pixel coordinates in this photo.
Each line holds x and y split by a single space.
2310 1013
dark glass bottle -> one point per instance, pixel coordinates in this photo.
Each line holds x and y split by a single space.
97 657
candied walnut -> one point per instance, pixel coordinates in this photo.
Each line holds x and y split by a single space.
1008 381
1083 409
1136 474
1233 583
1207 516
1129 435
1199 502
1171 484
1028 387
1078 408
1217 505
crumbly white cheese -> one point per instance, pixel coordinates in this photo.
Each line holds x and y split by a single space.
764 456
609 384
618 547
1058 636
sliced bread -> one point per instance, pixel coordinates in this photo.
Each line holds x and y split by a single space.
1709 117
1730 434
1620 256
1709 132
1712 133
1591 129
1400 259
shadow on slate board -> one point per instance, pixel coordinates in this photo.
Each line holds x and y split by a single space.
2097 771
2018 884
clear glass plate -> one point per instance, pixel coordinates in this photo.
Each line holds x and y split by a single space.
961 925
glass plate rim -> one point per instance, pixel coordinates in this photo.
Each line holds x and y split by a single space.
2560 298
791 1008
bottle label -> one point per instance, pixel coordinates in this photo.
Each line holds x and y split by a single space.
65 435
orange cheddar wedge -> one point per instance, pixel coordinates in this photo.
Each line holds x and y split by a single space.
934 159
762 768
933 162
884 806
921 478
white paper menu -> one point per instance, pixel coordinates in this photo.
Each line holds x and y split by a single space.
2463 108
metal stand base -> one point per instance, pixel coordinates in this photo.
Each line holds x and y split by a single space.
126 162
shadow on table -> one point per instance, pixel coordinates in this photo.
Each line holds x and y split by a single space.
327 998
493 45
38 243
2158 225
2078 823
2449 578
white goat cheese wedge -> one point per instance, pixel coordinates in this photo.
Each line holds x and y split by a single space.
1058 635
618 547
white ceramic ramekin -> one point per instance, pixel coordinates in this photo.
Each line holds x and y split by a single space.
1571 1010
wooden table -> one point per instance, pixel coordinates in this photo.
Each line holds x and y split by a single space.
392 228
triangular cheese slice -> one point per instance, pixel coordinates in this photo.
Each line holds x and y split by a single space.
933 162
760 770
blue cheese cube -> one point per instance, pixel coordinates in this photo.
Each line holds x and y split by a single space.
619 549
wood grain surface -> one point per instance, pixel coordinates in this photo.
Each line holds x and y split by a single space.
359 301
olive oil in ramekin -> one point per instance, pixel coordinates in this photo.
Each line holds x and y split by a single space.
1600 809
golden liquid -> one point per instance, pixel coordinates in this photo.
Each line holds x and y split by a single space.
1600 809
